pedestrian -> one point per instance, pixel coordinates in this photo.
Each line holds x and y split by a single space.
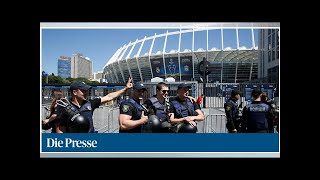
199 100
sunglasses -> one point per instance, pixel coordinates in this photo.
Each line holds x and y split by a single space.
165 91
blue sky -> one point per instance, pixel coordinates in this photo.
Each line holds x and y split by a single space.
100 44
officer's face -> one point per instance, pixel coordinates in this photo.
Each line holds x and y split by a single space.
139 92
237 96
81 94
164 92
183 92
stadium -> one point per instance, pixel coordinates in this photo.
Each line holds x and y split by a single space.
227 64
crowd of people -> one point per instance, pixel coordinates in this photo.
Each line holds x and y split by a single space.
157 114
260 116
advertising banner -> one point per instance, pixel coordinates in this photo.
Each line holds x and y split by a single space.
186 67
172 68
227 91
157 67
269 89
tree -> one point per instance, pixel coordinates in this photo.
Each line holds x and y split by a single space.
55 80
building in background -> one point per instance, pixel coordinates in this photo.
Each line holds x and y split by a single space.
64 67
268 64
81 66
98 76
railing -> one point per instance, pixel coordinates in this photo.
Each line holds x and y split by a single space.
106 121
215 123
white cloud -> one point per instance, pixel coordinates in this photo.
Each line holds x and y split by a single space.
242 47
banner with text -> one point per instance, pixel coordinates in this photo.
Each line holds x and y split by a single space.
199 142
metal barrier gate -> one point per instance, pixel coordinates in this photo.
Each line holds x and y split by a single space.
215 123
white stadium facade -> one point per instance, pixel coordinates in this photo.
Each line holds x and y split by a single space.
228 64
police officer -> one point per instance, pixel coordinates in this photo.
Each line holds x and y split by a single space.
184 113
75 114
132 113
232 112
274 123
257 116
160 105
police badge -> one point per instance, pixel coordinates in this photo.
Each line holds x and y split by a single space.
125 108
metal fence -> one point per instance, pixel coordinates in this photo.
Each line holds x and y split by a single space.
215 123
105 119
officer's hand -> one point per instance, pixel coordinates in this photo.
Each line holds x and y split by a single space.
45 121
144 118
193 123
129 83
192 99
189 118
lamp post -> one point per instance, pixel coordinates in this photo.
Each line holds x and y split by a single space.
204 81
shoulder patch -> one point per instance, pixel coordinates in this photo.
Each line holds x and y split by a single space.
125 108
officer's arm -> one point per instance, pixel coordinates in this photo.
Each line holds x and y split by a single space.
111 96
126 123
270 117
192 99
125 119
229 114
173 119
198 117
244 119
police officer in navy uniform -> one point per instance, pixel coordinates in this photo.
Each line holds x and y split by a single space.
132 113
160 105
274 124
257 117
184 113
232 112
75 114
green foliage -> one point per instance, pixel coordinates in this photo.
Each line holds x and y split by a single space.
58 80
55 79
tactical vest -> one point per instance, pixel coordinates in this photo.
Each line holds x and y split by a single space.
234 109
138 107
257 117
160 109
182 110
135 116
86 111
